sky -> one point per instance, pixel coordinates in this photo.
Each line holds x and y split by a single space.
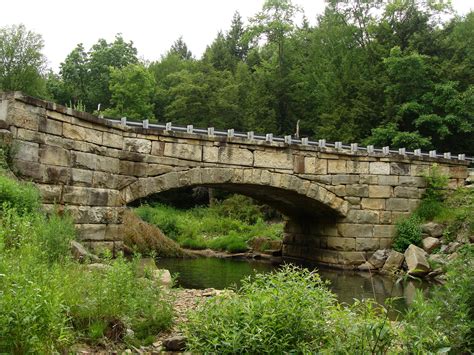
152 25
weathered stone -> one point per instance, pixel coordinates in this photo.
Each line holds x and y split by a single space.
137 145
273 159
379 168
81 177
80 253
367 244
394 262
176 343
397 204
54 156
397 168
433 229
407 192
228 155
357 190
26 151
345 179
384 231
370 179
50 126
366 266
416 261
163 276
357 167
338 243
112 140
373 203
414 181
379 191
314 165
355 230
389 180
362 217
183 151
79 133
337 166
430 243
378 258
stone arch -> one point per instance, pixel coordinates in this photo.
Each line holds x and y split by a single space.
288 191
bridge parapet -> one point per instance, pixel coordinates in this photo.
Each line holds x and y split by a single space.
342 201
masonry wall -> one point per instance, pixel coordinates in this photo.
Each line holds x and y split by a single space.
93 168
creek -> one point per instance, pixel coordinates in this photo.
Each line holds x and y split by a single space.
348 285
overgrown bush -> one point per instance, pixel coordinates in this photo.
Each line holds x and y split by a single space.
408 231
23 197
239 207
290 311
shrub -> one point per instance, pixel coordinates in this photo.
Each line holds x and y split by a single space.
24 198
408 231
290 311
239 207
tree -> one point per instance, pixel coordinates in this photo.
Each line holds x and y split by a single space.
180 48
22 64
75 74
132 89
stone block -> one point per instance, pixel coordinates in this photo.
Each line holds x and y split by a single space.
24 119
96 215
393 263
298 164
354 201
389 180
397 204
376 191
131 168
370 179
385 217
384 231
407 192
50 193
420 170
433 229
338 243
351 257
81 177
80 133
183 151
373 203
397 168
137 145
351 230
345 179
357 190
88 232
25 151
362 217
56 174
157 169
54 156
379 168
228 155
357 167
315 166
337 166
50 126
273 159
367 244
112 140
458 172
414 181
417 263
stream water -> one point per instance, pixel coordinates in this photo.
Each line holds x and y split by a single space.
218 273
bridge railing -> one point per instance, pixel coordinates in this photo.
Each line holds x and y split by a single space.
354 147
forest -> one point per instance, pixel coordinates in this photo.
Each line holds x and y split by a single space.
382 72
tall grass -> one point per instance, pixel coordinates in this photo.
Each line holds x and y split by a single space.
48 301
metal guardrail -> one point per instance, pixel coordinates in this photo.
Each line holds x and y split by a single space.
169 127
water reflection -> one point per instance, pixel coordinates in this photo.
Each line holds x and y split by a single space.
203 273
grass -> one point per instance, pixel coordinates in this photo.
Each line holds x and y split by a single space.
215 227
48 301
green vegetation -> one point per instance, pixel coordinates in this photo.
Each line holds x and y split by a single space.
227 225
395 73
48 301
408 232
293 311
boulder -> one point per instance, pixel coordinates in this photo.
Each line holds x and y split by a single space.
430 243
417 263
366 266
433 229
452 247
163 276
393 263
176 343
378 258
80 253
437 258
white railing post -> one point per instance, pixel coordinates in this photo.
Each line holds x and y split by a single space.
338 145
269 137
354 147
250 135
304 141
189 128
386 150
123 121
417 152
432 153
288 139
210 131
168 126
230 132
145 124
322 143
370 149
402 151
447 155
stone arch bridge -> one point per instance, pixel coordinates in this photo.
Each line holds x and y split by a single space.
341 202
